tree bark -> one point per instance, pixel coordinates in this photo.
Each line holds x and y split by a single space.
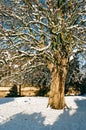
56 97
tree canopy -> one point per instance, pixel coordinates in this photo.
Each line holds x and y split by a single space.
36 33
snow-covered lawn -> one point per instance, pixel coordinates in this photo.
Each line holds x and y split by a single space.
31 113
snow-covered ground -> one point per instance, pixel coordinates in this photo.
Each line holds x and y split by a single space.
31 113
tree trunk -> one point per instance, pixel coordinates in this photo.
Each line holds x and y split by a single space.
19 90
56 97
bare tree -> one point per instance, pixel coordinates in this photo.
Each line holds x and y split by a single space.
49 30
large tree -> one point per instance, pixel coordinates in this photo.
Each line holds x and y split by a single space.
48 30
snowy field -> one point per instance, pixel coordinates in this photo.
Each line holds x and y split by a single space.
31 113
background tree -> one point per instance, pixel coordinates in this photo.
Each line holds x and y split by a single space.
40 77
72 80
49 30
76 75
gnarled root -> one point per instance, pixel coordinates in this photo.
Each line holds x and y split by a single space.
66 106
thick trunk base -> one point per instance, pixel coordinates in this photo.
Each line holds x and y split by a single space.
56 97
57 102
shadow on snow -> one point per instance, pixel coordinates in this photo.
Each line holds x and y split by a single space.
6 100
72 119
